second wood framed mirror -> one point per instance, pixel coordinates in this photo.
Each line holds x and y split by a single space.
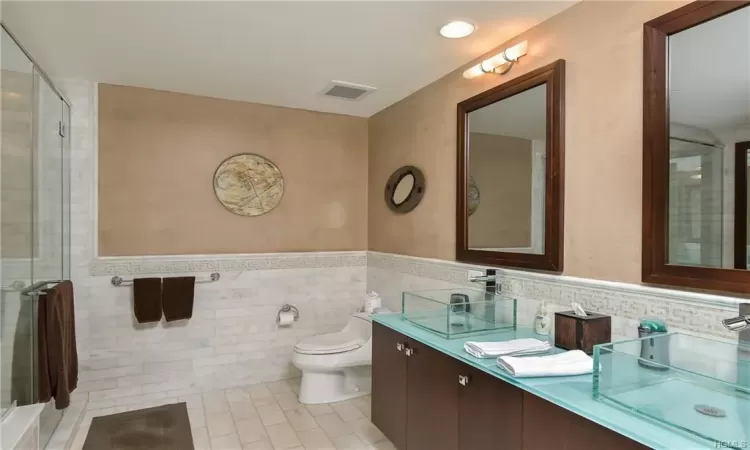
696 132
509 208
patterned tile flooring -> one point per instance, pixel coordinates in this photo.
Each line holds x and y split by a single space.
269 417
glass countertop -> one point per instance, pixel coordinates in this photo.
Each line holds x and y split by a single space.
574 393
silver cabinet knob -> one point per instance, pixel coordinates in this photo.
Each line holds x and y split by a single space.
400 346
409 352
463 380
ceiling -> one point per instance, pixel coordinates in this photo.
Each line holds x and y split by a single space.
710 73
279 53
523 116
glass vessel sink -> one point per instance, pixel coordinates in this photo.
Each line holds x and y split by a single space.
696 385
461 312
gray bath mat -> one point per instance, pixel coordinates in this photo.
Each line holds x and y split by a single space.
161 428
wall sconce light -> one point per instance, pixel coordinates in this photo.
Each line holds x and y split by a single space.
506 58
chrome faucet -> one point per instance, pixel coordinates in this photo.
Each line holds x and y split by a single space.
482 278
740 323
490 289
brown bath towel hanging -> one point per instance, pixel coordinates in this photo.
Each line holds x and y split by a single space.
177 298
147 299
57 353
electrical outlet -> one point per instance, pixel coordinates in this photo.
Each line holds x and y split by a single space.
474 273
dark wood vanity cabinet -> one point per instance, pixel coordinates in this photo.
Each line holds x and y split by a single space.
389 383
423 399
490 412
415 392
546 425
432 399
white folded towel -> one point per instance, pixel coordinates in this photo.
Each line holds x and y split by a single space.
573 362
514 347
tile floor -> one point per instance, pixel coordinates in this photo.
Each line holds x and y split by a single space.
269 417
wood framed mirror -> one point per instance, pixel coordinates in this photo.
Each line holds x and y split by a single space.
696 117
510 177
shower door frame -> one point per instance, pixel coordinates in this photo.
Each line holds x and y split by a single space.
49 418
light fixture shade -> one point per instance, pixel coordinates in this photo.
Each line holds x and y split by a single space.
456 29
473 72
488 65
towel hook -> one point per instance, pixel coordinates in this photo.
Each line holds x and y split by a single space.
286 307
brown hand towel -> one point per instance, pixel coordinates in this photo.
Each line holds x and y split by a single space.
57 353
177 298
147 299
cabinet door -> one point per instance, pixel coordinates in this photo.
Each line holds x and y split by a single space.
490 412
389 383
432 417
548 426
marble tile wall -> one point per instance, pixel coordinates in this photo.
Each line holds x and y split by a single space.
231 340
701 314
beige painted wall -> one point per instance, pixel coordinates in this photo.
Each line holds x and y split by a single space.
158 152
602 44
501 168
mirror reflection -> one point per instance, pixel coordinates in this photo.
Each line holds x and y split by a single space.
403 189
506 143
709 136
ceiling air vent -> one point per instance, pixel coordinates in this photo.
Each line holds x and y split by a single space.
347 91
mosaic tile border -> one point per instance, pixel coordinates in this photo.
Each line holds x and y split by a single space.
686 310
135 265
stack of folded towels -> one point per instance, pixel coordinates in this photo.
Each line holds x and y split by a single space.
573 362
515 347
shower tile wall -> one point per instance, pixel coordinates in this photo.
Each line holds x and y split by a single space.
232 339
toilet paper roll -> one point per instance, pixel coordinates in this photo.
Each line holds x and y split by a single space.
286 318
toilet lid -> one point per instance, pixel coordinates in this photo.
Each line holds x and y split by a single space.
326 344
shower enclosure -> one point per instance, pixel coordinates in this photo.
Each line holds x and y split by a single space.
34 218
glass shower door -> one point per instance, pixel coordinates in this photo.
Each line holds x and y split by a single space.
16 231
34 219
49 223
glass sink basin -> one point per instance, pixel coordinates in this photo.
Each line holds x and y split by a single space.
461 312
696 385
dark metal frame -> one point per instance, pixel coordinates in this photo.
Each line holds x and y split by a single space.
415 195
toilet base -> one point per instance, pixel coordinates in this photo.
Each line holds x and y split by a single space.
335 386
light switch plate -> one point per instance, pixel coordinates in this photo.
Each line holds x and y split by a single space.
474 273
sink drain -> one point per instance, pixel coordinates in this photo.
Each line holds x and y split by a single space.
710 411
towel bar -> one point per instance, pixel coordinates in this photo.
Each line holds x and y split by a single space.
37 289
119 281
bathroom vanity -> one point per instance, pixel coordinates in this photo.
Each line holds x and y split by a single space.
428 394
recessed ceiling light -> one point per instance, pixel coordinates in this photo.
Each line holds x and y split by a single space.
456 29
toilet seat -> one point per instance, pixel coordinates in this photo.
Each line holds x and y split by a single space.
328 344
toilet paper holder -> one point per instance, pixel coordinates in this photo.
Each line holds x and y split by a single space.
286 307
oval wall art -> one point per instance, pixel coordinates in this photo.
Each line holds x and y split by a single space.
248 184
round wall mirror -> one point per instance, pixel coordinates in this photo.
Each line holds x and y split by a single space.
404 189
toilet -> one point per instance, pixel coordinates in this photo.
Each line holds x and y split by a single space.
336 366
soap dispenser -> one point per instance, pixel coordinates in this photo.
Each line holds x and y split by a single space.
542 320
